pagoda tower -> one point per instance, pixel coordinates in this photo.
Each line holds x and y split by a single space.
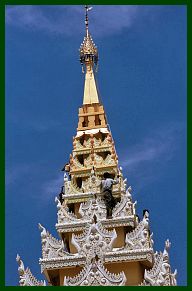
94 249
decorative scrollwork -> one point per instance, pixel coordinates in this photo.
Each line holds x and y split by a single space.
125 207
91 184
109 160
63 213
26 277
139 238
160 274
70 187
77 164
93 207
51 247
95 274
97 142
95 241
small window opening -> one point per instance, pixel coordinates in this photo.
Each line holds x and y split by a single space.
97 120
85 122
103 136
79 182
80 159
71 207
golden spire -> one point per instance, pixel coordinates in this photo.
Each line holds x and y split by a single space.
89 58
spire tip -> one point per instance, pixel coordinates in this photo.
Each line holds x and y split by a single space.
87 8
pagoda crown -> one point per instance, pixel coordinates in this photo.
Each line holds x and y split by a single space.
88 50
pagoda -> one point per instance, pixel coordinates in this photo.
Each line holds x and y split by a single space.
94 249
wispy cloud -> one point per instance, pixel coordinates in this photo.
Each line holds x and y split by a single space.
52 187
145 162
39 185
39 125
12 175
43 126
68 20
159 144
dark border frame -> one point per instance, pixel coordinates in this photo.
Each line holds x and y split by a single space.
3 3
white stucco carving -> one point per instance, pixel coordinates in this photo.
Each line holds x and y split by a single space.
26 278
125 207
94 241
93 207
71 188
95 274
63 213
160 274
51 247
91 184
139 238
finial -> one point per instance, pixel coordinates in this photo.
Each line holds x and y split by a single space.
21 268
88 50
87 8
167 244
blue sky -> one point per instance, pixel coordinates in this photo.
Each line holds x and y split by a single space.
142 82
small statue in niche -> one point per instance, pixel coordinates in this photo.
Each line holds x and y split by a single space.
106 188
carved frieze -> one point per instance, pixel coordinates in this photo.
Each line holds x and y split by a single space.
70 260
95 274
93 207
91 184
124 255
94 241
